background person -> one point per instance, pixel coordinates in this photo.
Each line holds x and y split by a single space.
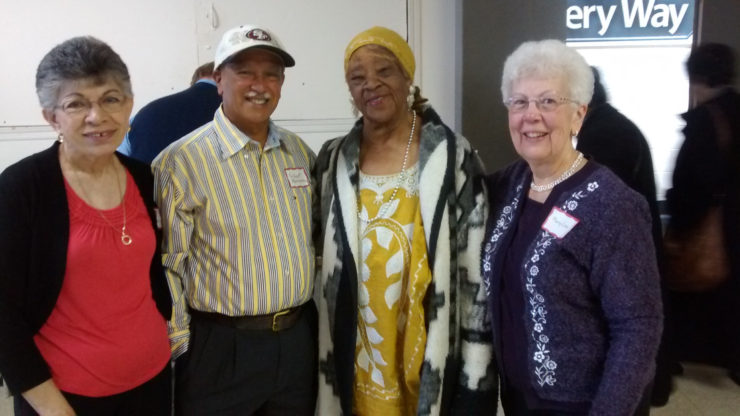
707 174
83 300
568 259
613 140
403 322
236 199
167 119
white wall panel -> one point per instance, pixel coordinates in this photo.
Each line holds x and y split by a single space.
163 41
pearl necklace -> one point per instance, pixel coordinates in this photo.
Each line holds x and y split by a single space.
567 174
401 179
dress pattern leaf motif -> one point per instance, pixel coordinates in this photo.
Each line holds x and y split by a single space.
393 277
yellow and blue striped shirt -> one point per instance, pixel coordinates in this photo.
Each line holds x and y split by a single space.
236 221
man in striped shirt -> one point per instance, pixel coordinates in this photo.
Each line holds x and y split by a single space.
235 197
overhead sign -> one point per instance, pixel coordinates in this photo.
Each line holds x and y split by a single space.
615 20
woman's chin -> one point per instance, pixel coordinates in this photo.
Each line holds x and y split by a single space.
533 155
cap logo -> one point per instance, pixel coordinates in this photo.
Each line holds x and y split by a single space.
258 34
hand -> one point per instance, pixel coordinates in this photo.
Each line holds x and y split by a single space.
47 400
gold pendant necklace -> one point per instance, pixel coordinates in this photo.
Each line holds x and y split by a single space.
125 237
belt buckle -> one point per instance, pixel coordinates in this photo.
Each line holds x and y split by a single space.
274 319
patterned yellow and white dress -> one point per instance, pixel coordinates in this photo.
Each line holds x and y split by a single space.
394 276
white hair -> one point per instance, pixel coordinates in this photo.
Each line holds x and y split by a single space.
549 58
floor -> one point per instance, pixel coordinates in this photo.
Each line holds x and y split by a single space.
700 391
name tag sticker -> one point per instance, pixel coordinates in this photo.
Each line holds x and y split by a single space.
559 223
297 177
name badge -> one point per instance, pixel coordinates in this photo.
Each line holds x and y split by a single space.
297 177
559 223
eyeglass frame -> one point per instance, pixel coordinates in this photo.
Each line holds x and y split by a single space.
538 102
88 105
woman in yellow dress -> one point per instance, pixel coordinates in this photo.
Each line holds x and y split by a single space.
403 324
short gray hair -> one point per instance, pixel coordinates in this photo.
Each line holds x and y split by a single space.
549 58
78 59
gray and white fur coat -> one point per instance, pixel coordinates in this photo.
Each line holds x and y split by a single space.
458 375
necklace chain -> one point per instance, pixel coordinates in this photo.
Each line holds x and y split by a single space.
567 174
125 237
400 180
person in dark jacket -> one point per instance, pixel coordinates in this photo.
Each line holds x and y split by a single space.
707 174
568 258
169 118
83 299
614 141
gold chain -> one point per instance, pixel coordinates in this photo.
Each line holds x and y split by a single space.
125 238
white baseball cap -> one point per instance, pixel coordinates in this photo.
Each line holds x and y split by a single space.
245 37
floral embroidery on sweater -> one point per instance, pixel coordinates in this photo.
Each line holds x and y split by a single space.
502 224
545 365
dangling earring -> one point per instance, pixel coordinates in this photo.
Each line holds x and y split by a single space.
410 97
60 138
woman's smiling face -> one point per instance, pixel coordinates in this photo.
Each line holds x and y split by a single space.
378 84
93 117
544 137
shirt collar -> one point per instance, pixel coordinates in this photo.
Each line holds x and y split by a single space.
206 81
232 140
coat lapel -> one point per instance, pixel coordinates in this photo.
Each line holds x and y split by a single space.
347 169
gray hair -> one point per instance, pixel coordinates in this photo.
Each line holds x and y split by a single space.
79 59
549 59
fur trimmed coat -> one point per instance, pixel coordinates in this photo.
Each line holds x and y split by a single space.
458 374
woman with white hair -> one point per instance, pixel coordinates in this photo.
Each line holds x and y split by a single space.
568 259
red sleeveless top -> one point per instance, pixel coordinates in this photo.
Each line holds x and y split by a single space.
105 334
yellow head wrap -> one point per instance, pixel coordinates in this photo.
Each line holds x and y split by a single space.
388 39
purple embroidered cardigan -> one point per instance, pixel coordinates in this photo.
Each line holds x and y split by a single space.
593 306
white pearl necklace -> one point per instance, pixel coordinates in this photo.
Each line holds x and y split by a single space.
401 179
567 174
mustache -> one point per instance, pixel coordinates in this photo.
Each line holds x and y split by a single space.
263 95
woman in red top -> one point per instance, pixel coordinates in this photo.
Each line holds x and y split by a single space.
83 301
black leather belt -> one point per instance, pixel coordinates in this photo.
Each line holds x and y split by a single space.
275 322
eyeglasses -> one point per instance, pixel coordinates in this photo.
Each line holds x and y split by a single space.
544 104
111 103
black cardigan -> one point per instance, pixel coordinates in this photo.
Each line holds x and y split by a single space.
34 233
